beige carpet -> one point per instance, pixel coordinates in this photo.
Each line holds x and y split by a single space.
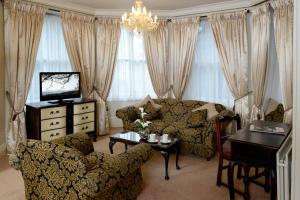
194 181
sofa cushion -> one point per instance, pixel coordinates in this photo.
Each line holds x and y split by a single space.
145 101
211 110
157 127
190 135
196 119
151 112
277 115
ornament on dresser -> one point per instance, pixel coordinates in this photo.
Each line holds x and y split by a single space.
142 124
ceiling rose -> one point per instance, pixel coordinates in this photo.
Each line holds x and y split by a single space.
139 20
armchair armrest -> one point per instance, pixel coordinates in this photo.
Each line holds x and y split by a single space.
115 167
61 167
79 141
127 115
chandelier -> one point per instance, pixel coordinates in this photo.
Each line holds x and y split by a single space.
139 20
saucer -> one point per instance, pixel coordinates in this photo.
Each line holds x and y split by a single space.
166 142
153 141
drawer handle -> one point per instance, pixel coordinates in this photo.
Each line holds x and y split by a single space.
82 108
86 107
57 111
52 135
52 124
51 113
82 128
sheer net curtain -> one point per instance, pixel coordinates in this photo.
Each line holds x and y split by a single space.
206 81
52 55
131 79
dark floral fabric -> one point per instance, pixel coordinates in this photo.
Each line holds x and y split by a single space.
173 121
52 171
197 118
276 115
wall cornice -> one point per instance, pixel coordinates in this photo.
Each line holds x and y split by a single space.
195 10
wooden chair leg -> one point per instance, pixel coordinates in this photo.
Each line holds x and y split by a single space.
219 176
239 172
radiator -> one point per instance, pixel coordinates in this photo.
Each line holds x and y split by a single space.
284 170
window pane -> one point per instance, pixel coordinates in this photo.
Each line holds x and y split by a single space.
131 79
52 55
206 81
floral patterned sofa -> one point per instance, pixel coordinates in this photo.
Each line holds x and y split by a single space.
199 141
69 168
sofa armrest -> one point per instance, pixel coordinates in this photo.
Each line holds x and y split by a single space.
127 115
79 141
208 133
116 167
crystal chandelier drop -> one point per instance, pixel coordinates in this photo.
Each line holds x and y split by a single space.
139 20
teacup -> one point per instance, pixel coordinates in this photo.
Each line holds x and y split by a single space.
152 137
165 138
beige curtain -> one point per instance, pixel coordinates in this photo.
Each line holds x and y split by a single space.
231 39
79 32
108 36
23 28
182 44
259 57
156 50
283 25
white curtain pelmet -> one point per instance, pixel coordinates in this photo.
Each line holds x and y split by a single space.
156 51
283 26
182 46
23 28
107 39
231 38
259 57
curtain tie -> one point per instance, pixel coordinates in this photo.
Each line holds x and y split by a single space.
243 96
15 113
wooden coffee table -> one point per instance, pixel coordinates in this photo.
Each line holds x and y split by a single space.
133 138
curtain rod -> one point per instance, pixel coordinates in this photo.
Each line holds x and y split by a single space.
203 15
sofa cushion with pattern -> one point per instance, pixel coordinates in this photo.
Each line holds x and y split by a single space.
151 112
196 119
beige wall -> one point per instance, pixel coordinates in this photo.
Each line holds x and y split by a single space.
2 89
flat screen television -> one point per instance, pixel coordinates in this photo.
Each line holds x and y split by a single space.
59 86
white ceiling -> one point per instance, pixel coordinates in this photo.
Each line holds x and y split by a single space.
150 4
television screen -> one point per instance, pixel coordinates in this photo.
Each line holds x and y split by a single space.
60 85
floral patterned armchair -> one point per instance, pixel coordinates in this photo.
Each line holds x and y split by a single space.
69 168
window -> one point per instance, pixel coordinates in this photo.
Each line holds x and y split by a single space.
131 79
52 54
207 81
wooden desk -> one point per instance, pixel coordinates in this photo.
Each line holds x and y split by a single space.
256 149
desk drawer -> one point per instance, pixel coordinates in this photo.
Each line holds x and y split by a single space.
83 118
84 108
53 134
49 113
88 127
51 124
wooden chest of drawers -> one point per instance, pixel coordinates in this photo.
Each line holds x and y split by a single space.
46 121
